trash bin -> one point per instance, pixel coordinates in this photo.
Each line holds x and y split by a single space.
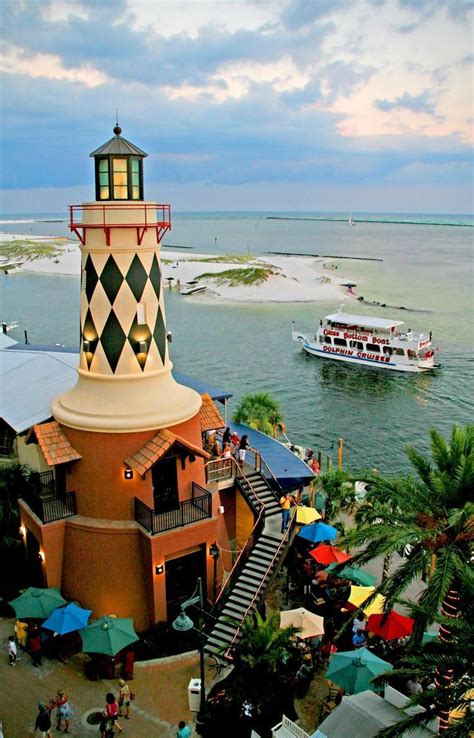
194 694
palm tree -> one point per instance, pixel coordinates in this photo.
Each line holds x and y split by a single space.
338 488
435 516
260 412
14 482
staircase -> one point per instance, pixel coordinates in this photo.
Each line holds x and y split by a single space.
254 570
255 486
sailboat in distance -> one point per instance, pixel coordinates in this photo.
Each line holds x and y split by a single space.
351 220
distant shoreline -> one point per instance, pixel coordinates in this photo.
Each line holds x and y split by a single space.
323 219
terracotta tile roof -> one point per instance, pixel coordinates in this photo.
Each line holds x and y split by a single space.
156 447
54 444
209 415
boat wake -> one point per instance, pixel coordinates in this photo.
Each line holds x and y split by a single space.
393 307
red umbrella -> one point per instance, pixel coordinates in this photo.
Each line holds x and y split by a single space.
325 554
390 625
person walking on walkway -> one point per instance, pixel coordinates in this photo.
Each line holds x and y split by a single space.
124 699
286 503
34 644
112 709
183 730
11 650
63 711
243 446
43 720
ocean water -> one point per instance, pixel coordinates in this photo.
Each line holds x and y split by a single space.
426 266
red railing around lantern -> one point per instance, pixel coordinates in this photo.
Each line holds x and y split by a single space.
154 216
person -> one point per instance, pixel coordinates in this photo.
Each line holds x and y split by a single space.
111 709
227 451
21 633
215 452
414 686
106 726
35 646
358 639
243 445
183 730
63 711
11 650
309 455
359 624
235 440
314 465
226 437
43 720
286 503
124 699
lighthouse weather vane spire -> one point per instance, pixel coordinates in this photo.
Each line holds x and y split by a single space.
117 129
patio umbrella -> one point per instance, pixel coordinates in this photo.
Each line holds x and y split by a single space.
66 619
311 625
354 670
354 574
359 595
325 554
320 501
108 635
390 625
317 532
37 603
306 514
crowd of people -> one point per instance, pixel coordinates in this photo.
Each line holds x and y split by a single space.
231 446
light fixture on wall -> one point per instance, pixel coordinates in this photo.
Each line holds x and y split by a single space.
128 474
41 555
86 346
159 569
22 531
142 347
221 509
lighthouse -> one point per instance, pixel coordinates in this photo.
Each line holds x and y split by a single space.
133 520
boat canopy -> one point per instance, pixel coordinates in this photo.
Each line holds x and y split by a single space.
363 320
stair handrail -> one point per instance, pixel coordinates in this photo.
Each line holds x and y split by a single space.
284 541
239 472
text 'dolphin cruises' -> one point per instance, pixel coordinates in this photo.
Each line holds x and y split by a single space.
360 339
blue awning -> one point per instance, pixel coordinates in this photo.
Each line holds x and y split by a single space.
201 387
290 471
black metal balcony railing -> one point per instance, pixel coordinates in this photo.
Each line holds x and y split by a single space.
49 509
198 507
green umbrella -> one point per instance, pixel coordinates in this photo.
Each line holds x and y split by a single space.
37 603
354 670
108 635
354 574
320 502
428 637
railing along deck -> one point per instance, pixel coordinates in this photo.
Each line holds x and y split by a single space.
49 509
143 216
197 507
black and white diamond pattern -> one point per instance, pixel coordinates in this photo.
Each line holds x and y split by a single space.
114 285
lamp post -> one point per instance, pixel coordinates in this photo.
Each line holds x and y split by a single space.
183 623
214 552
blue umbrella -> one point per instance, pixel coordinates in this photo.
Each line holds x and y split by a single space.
317 532
66 619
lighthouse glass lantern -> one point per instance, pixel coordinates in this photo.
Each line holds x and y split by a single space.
118 169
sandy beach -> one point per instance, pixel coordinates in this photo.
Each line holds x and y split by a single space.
292 279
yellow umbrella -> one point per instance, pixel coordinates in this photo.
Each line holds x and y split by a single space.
311 625
359 595
306 515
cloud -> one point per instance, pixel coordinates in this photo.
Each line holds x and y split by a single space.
301 13
421 103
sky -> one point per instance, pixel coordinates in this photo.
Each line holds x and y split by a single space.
310 105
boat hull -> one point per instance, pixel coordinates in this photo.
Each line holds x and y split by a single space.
372 363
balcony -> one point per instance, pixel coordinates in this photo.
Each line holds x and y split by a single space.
197 507
51 508
109 215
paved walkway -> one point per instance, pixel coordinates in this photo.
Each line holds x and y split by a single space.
161 694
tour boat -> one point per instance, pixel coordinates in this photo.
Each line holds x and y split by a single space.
360 339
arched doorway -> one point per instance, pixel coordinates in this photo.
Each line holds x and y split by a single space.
34 567
181 579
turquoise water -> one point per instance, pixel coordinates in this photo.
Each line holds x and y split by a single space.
426 267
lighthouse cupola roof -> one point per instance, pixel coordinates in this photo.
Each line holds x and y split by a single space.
118 169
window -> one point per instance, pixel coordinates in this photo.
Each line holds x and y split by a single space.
104 179
357 345
340 342
327 339
411 354
120 179
135 179
321 339
398 352
373 347
388 350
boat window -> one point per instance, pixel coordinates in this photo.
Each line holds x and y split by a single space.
373 347
398 352
357 345
388 350
411 354
340 342
321 339
327 339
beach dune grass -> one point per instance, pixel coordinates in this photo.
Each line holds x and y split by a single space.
245 277
228 259
28 250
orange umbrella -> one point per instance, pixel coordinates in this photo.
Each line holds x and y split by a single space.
325 554
390 625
